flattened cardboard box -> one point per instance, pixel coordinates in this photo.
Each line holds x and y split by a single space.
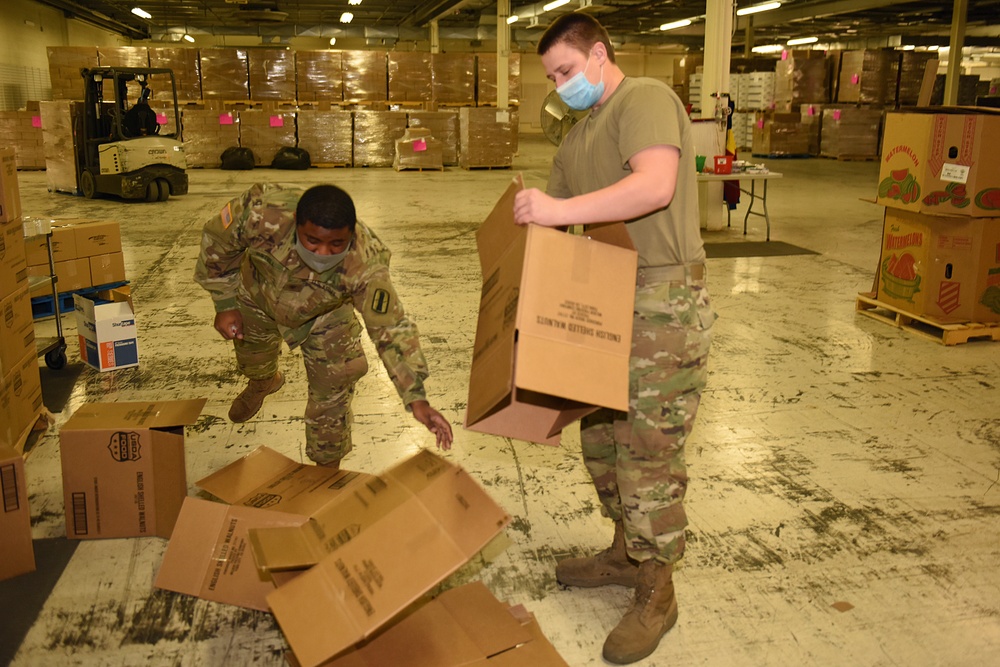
555 326
378 549
209 555
123 467
17 555
464 626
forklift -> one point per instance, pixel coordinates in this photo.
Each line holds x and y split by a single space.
120 150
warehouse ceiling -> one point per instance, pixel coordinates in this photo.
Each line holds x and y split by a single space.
853 23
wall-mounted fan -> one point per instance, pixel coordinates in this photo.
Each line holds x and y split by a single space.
557 118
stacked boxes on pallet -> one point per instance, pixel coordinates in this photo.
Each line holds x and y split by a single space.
941 238
375 135
486 79
869 77
58 122
23 131
207 133
186 67
417 149
123 56
271 74
811 119
453 76
780 134
365 77
328 136
802 78
65 63
911 75
224 74
265 132
487 137
443 126
20 384
319 76
410 75
851 132
87 253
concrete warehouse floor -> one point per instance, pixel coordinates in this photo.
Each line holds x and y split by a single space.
844 498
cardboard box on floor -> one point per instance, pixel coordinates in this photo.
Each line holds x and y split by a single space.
209 555
105 324
461 627
17 554
937 161
123 467
555 326
944 267
376 551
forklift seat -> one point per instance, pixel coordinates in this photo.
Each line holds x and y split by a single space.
140 121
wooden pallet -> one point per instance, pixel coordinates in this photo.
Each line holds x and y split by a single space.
402 168
330 165
472 167
851 158
946 333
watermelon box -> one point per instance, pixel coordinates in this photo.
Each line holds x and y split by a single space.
938 161
943 267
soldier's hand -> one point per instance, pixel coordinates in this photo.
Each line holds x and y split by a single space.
229 323
434 421
534 206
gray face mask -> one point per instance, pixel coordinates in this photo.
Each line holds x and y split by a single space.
316 262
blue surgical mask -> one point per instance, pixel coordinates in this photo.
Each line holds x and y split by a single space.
580 94
315 261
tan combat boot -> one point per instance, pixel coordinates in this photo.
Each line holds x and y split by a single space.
611 566
653 612
250 399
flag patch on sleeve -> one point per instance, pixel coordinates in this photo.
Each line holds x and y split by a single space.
227 215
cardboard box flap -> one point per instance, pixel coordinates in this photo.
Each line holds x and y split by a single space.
612 233
206 556
239 479
141 414
524 415
497 233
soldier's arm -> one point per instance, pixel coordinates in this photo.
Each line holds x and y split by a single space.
222 248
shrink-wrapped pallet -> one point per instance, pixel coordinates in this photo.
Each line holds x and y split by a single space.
206 134
123 56
409 76
417 149
780 134
851 132
454 78
265 132
488 137
65 63
272 74
58 121
187 73
911 75
365 77
869 76
224 74
801 80
486 80
328 136
319 76
22 130
375 134
443 126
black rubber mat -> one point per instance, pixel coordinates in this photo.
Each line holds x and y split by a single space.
754 249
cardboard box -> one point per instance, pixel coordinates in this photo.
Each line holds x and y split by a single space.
13 266
937 161
464 626
943 267
17 329
97 238
17 554
10 195
209 555
71 275
123 467
105 324
63 247
555 327
106 269
20 399
378 549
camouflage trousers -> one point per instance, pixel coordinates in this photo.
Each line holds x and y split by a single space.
334 361
636 459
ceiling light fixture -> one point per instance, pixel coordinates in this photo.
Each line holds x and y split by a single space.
188 38
354 2
333 41
676 24
768 48
555 3
798 41
346 17
909 47
767 6
141 13
512 19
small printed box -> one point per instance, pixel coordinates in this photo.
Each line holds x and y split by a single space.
105 322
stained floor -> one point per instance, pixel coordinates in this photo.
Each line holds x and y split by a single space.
844 502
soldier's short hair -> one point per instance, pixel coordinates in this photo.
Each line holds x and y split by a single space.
579 31
326 206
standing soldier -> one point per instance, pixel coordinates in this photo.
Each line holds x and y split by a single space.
632 160
281 264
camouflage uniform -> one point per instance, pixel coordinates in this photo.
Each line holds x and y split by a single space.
248 261
636 459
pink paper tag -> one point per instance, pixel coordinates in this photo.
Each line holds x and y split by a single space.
419 145
836 114
812 110
277 121
161 119
784 55
855 78
760 124
36 121
226 119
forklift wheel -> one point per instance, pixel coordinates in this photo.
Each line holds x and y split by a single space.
87 184
56 359
153 191
164 189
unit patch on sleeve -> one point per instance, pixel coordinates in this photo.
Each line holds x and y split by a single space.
227 215
381 304
380 301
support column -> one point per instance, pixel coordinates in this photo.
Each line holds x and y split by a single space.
503 54
435 35
711 135
748 38
958 18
